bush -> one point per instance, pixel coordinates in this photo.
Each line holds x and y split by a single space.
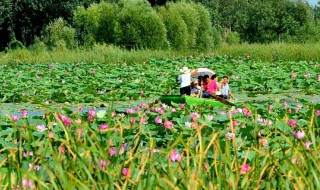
205 30
96 24
59 35
139 26
177 30
233 38
190 16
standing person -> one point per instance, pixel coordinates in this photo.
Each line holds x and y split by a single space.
212 86
225 89
185 80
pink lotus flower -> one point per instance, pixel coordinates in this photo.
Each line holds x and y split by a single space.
51 134
36 167
245 168
62 149
27 184
158 120
129 111
210 117
319 78
235 123
112 151
41 128
121 151
263 142
293 75
147 111
92 71
141 92
307 144
289 110
125 172
182 106
132 120
194 116
143 120
300 135
65 120
317 112
164 105
113 114
245 110
24 113
37 76
15 118
137 108
230 136
298 108
92 113
78 121
293 132
78 132
285 105
248 114
161 111
175 156
102 164
143 105
270 107
223 113
103 126
168 124
173 110
307 75
80 108
292 123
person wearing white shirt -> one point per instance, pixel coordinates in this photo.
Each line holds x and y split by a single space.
185 80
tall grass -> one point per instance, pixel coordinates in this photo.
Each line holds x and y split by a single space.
111 54
273 51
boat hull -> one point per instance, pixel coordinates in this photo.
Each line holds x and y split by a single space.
182 99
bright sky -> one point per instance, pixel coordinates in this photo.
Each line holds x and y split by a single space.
313 2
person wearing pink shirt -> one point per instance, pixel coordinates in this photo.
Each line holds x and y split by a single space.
212 86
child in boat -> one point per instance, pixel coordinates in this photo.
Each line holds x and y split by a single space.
196 89
225 89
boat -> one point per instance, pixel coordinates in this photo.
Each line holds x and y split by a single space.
184 99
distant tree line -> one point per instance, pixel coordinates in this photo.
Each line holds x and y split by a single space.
155 24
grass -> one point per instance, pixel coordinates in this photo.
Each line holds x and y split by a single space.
111 54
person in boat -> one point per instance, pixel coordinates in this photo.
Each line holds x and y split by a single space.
204 82
212 86
185 80
196 89
225 89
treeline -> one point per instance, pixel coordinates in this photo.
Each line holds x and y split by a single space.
154 24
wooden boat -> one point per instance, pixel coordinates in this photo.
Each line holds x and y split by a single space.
183 99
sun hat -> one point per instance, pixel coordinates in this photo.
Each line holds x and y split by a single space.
185 70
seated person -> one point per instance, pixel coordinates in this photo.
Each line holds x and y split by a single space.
225 89
196 89
212 86
203 82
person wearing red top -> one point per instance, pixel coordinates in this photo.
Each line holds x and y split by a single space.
212 86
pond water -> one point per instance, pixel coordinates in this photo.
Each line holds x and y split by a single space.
292 97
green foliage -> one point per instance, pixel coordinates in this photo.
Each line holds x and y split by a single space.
206 36
233 38
177 30
139 26
59 35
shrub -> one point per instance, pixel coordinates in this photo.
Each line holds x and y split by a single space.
139 26
177 31
58 33
204 33
232 38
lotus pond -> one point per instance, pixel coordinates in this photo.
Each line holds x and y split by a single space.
132 144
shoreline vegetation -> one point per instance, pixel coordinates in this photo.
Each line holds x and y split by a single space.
112 54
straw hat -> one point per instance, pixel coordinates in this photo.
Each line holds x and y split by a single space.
185 70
